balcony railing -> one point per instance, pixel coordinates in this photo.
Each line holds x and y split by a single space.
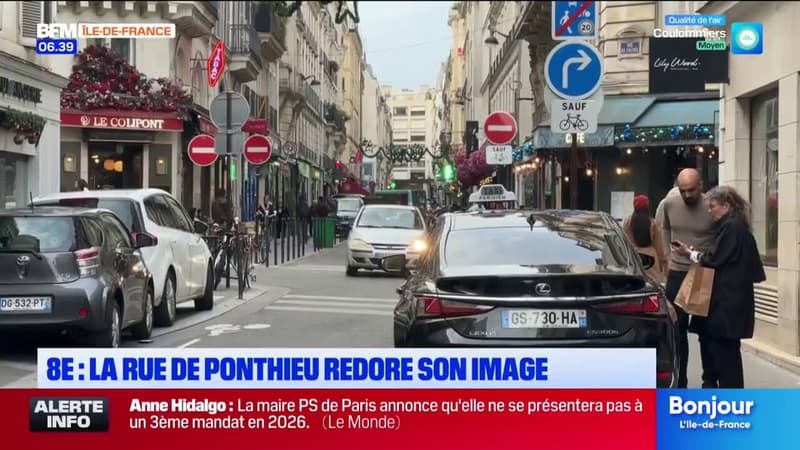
311 97
266 21
244 41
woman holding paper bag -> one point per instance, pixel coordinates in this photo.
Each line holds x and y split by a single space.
737 265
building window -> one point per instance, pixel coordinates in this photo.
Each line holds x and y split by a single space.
400 111
418 138
417 112
764 173
31 14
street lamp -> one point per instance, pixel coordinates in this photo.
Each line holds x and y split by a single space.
491 40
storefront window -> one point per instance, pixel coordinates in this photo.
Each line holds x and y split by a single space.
13 180
764 174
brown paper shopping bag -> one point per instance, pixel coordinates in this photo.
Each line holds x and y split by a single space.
694 296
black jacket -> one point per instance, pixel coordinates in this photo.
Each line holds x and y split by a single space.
738 267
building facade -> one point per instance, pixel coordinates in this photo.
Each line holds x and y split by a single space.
759 122
376 128
413 122
30 105
353 66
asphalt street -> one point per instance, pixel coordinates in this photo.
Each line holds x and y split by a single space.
309 302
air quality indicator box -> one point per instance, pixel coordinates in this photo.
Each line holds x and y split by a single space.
56 46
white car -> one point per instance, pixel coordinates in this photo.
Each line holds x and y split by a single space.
384 230
180 262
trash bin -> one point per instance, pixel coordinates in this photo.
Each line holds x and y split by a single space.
328 229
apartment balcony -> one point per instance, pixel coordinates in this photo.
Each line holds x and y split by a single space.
245 53
192 19
293 86
271 31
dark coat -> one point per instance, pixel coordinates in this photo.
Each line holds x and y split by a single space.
738 267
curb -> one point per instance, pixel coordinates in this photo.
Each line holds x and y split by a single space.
300 258
780 359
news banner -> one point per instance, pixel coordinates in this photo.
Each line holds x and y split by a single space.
382 398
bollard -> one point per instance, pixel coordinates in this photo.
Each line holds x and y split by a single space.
284 237
225 248
275 247
240 254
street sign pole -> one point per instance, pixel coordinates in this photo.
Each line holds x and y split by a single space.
573 173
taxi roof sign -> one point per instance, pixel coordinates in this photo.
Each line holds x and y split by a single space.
492 193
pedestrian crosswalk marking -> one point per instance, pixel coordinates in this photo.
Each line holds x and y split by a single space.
332 310
346 299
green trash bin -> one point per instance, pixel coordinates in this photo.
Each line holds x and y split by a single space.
328 237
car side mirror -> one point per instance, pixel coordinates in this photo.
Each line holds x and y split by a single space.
200 227
647 261
393 264
141 240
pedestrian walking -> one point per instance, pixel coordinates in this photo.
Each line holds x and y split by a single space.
304 216
685 218
645 234
736 261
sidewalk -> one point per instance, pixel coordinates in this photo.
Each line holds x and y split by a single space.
773 355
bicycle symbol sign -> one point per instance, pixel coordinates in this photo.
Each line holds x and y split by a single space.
568 116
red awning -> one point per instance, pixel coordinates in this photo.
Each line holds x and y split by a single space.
121 120
351 187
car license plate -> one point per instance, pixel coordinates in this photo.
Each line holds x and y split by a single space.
26 304
544 318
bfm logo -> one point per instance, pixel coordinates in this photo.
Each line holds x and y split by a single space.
57 31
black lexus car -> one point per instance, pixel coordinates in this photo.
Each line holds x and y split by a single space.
546 278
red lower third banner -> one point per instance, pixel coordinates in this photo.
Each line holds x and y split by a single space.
329 419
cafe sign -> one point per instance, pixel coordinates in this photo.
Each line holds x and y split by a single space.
118 120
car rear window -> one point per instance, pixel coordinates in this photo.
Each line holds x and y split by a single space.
120 207
524 246
377 217
348 204
38 234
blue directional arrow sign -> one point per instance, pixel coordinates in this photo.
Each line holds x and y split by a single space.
573 70
574 20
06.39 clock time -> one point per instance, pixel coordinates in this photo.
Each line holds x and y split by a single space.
56 46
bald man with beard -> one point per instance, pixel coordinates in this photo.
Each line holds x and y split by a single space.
685 218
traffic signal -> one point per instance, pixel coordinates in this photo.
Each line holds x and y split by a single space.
338 164
393 185
447 172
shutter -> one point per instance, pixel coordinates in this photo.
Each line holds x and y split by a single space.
31 16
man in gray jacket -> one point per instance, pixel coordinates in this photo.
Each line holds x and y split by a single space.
684 217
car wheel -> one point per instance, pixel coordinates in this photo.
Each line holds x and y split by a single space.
166 311
206 302
144 329
351 271
111 336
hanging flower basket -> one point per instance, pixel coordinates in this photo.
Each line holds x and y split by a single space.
104 79
26 125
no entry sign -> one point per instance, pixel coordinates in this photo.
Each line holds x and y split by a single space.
257 149
500 128
202 150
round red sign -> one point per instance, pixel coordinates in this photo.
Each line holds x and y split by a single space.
257 149
202 150
500 128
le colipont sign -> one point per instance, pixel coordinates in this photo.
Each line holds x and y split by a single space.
122 120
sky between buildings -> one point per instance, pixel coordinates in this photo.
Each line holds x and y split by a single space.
405 42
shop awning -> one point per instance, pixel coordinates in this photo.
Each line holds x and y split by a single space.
624 109
669 113
352 187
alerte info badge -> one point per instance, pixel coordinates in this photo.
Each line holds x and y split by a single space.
338 398
741 419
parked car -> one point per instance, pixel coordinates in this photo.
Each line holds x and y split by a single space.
510 278
347 207
181 262
384 230
74 269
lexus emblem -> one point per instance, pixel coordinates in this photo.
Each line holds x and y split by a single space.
23 260
542 289
22 265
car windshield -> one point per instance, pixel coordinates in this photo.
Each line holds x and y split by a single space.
390 218
348 204
120 207
522 246
37 234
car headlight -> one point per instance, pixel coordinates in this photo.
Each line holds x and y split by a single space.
360 244
418 246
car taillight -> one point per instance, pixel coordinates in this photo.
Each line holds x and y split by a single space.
88 261
646 305
432 306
